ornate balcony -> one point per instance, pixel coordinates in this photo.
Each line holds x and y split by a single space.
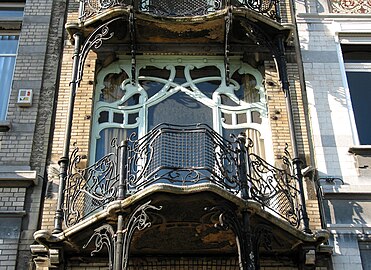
178 8
181 156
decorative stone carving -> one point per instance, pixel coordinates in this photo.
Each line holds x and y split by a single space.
351 6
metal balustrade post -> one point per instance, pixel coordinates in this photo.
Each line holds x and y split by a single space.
242 165
64 160
249 258
117 259
123 171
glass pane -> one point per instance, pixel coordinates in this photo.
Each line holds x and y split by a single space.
132 118
103 146
6 76
360 92
247 91
8 44
133 100
179 109
112 90
227 101
103 117
207 87
227 118
255 117
356 53
11 11
153 87
118 118
241 118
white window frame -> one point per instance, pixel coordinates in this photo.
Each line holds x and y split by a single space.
351 38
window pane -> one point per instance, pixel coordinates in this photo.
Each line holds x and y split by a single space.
104 146
360 92
179 109
365 250
11 11
8 44
112 87
356 53
8 48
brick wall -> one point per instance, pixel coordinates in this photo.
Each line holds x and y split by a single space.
12 199
81 118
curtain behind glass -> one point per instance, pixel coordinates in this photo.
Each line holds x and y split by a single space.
8 49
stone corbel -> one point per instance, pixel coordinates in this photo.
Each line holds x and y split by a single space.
47 258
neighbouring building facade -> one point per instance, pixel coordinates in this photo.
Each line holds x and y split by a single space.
335 42
161 135
31 39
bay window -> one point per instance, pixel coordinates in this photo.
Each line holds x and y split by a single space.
180 91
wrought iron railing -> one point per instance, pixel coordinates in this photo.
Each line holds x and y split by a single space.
178 8
181 156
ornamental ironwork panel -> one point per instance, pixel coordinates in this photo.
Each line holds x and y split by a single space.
91 188
275 188
177 8
182 156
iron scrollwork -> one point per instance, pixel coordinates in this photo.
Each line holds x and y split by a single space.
178 8
105 237
275 188
138 221
91 188
227 218
183 156
269 8
95 40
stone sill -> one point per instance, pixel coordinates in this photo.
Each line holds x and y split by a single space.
346 189
12 213
364 150
18 178
4 126
349 228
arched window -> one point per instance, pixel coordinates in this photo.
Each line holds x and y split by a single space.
179 90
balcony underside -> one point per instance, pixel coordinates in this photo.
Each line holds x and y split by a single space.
185 30
185 224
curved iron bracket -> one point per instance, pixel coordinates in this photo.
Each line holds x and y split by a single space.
94 40
228 219
118 244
